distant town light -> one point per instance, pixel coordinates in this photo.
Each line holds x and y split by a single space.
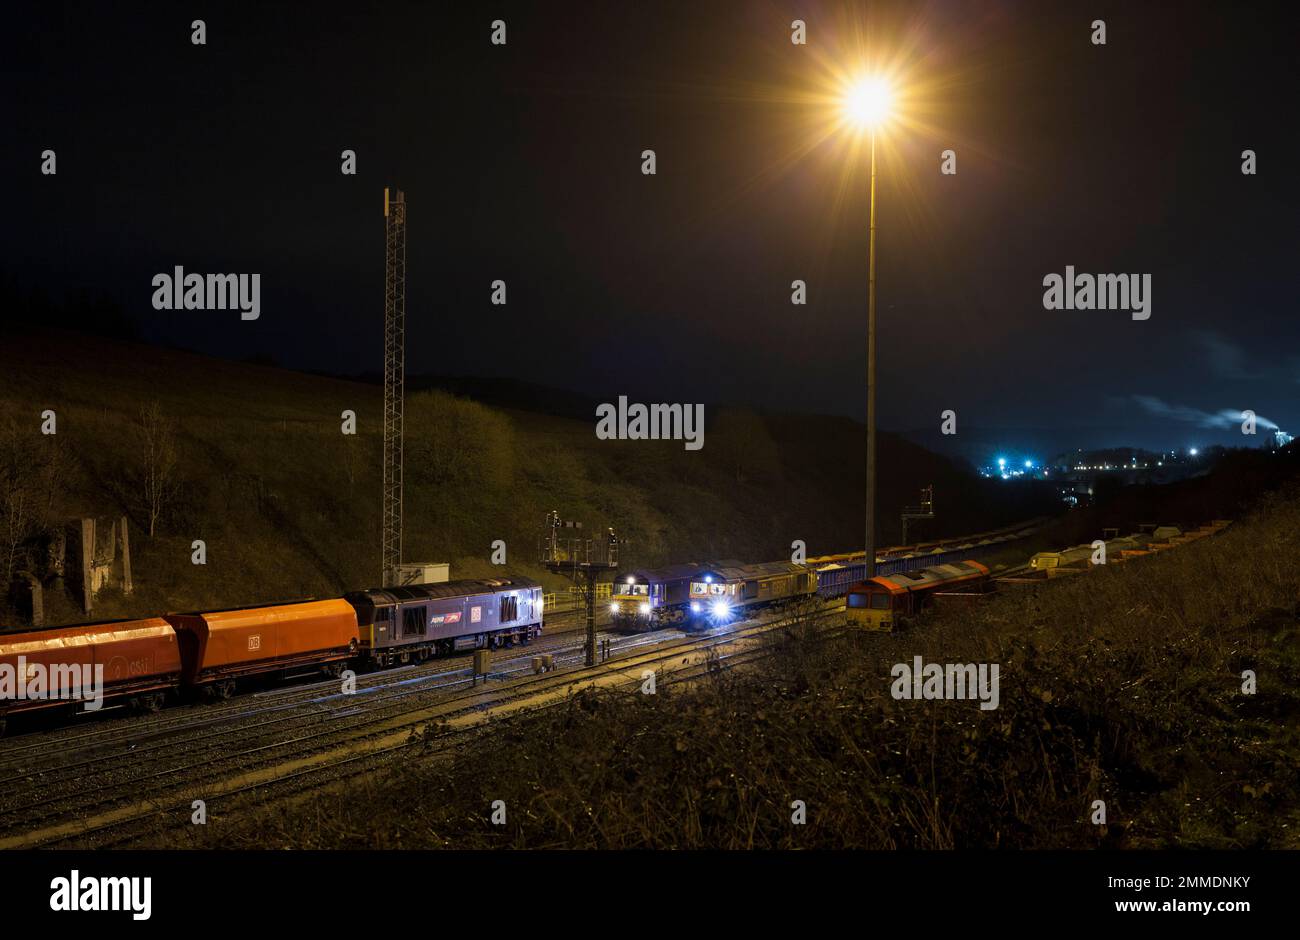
1193 451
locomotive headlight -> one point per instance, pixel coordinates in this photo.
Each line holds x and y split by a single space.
613 608
695 607
720 609
539 605
645 608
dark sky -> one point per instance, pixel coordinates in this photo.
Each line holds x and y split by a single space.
523 163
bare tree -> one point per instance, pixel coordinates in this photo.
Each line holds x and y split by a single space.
18 500
54 475
156 434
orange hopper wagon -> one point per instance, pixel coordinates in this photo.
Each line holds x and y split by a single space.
224 646
140 660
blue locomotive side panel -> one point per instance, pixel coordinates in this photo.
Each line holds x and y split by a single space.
452 615
447 618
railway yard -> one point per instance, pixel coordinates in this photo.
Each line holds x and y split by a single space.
111 780
108 782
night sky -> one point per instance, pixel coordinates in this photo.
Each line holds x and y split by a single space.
523 163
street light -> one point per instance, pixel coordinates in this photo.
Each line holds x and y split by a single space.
866 106
867 102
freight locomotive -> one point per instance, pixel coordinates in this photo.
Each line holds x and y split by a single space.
881 602
650 598
144 663
698 594
731 590
695 596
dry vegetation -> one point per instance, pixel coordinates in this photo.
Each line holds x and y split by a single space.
1122 685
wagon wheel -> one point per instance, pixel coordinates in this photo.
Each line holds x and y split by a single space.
225 688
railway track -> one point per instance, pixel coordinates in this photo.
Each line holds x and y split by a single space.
377 733
108 727
306 779
199 744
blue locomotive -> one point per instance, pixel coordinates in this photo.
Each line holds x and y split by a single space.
412 623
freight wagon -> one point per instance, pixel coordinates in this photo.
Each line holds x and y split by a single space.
221 647
63 667
835 578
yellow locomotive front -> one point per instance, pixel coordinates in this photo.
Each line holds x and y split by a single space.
629 604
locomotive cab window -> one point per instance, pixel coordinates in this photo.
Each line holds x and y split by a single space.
880 601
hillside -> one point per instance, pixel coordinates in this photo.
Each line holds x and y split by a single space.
288 505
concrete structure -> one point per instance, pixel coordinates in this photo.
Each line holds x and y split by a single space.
96 555
422 573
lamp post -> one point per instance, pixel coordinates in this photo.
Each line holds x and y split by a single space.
866 105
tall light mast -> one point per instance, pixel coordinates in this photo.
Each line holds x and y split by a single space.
394 380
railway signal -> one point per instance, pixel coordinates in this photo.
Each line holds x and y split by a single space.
582 560
923 511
